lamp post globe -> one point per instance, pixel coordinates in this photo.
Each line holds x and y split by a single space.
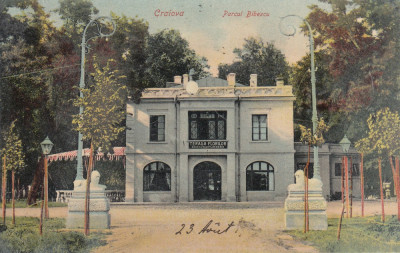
345 144
46 145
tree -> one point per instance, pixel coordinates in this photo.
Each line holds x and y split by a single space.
168 55
300 76
361 39
103 102
316 139
13 159
76 14
257 57
384 130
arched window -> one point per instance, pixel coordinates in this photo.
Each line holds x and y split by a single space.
260 177
157 177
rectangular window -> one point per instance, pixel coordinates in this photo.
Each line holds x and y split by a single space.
260 128
207 125
356 170
338 169
157 128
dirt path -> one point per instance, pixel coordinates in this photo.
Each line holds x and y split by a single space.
255 228
233 227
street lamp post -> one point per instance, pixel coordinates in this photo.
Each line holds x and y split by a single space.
46 145
313 90
345 143
84 50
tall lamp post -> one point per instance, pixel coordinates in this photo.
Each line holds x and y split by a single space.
84 50
46 145
345 143
314 96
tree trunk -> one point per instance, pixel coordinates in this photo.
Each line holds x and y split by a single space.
37 182
346 171
362 184
398 188
351 187
4 189
87 196
342 178
13 195
340 221
381 188
41 214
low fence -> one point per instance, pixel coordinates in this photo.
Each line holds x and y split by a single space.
112 195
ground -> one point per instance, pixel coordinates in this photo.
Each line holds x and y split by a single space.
233 227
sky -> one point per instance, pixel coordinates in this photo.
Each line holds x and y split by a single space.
211 33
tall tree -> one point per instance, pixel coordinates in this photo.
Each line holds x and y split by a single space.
130 43
13 158
361 39
257 57
168 55
76 14
104 109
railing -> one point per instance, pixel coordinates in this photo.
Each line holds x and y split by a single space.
112 195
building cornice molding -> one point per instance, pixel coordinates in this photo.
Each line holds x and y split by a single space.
220 92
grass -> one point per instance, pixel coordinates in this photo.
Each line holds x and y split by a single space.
24 237
357 235
23 204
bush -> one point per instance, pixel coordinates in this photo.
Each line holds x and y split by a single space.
25 237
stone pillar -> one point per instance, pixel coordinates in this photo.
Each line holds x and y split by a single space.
294 204
99 217
183 179
230 175
129 180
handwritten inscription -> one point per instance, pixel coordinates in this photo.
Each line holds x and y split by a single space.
211 227
248 14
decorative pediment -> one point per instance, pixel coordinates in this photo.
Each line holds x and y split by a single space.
270 91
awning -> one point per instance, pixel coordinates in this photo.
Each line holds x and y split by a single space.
118 153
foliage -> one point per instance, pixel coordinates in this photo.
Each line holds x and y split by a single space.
361 40
316 139
25 237
103 102
76 14
256 57
358 235
384 130
13 149
168 55
130 42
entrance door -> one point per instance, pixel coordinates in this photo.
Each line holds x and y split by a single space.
207 181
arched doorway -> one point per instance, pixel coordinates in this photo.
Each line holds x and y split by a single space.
207 181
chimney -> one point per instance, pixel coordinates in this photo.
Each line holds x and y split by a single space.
178 79
231 79
185 80
279 81
253 80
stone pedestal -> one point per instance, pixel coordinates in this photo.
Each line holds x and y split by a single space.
294 205
99 217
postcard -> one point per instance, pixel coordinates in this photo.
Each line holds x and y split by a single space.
203 126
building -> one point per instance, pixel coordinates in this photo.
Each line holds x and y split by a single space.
223 141
217 140
330 160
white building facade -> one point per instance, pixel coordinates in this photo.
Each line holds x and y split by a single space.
221 142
